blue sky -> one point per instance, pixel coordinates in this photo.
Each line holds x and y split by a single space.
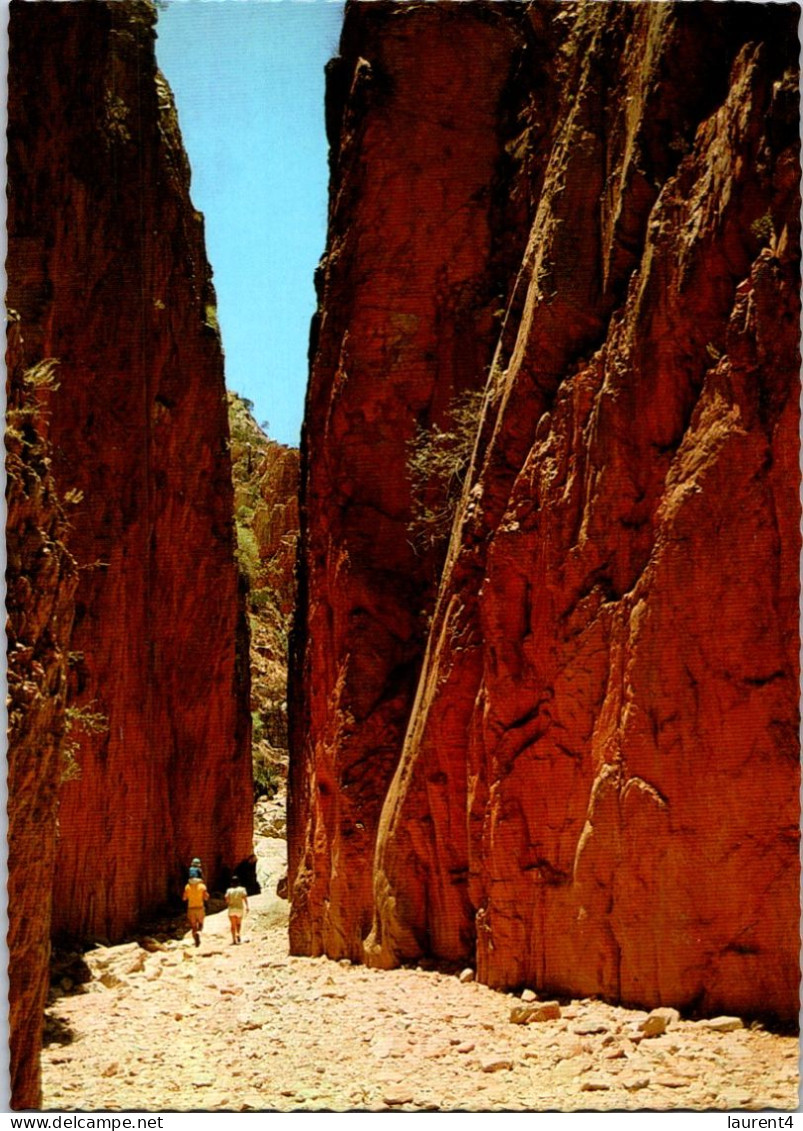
248 80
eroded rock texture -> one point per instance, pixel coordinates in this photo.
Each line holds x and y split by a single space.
265 475
276 521
418 254
40 582
598 787
106 267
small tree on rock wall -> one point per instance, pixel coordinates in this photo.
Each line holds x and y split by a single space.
437 464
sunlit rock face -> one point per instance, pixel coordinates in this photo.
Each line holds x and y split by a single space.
107 270
597 787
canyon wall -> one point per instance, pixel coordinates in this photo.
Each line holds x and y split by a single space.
417 256
40 583
591 782
265 477
107 272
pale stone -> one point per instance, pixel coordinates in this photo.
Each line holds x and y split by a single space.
467 975
529 995
595 1084
495 1064
398 1096
723 1024
635 1083
735 1099
590 1027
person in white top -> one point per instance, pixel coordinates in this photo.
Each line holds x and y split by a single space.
237 903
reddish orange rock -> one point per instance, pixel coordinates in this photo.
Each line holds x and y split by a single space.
597 788
418 255
276 522
40 582
106 267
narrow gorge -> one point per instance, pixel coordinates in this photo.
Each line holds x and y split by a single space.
539 551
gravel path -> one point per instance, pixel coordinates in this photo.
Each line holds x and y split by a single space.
227 1028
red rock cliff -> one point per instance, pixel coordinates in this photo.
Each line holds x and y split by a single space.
416 261
598 787
107 270
40 582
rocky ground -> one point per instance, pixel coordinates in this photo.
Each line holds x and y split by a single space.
163 1026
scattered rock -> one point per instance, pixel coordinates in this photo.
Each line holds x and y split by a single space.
398 1096
615 1053
589 1028
495 1064
529 995
389 1047
734 1099
467 975
634 1083
541 1011
137 963
723 1024
658 1021
595 1084
547 1011
151 945
434 1050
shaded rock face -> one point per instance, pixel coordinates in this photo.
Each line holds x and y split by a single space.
417 259
107 270
40 582
597 791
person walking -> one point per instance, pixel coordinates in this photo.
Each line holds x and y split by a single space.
196 896
237 903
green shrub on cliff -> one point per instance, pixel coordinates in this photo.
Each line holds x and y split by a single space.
437 464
